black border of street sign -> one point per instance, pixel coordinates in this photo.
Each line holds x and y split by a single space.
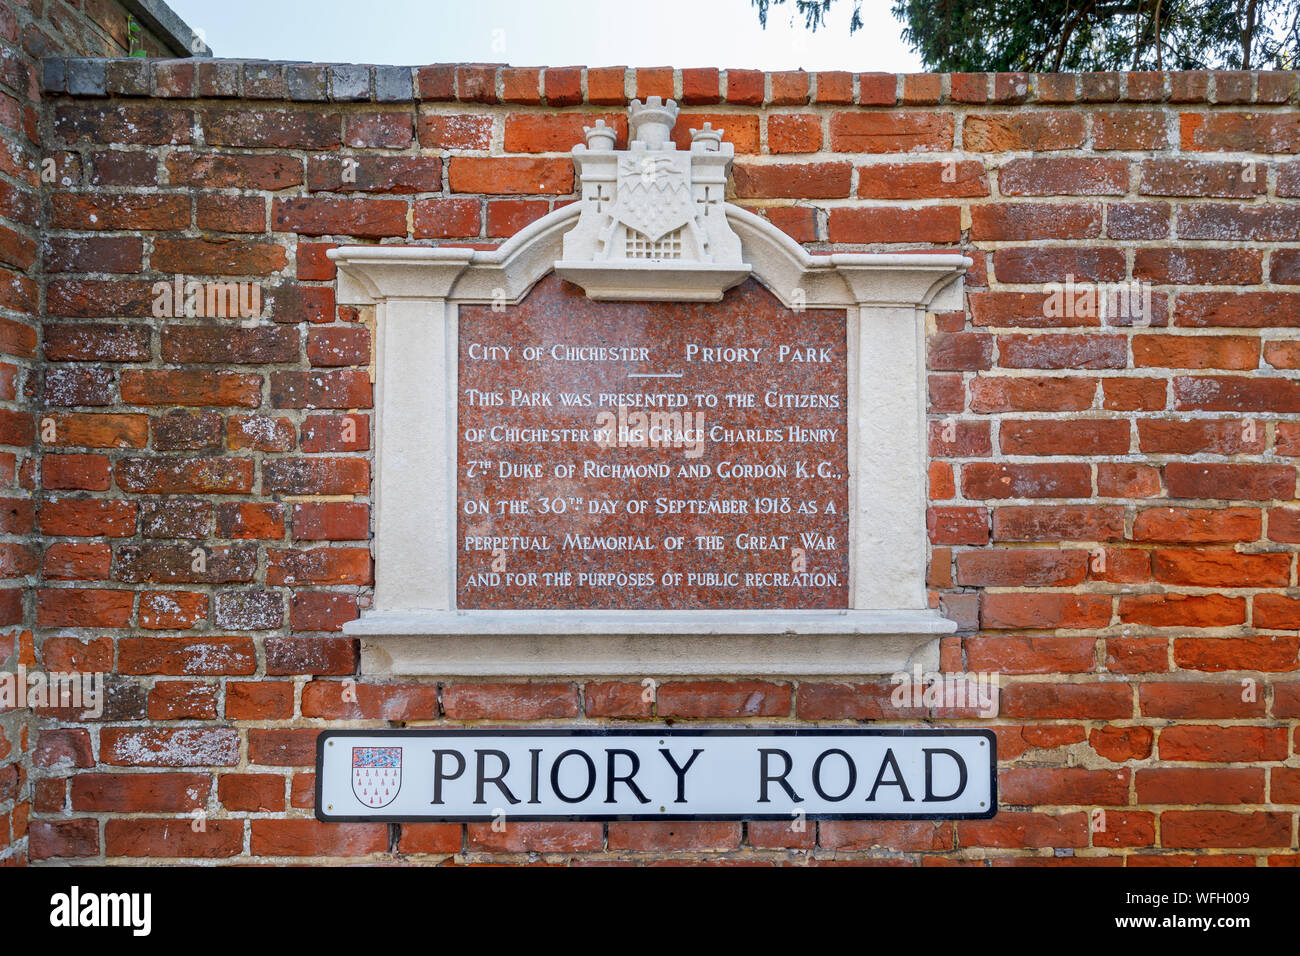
660 732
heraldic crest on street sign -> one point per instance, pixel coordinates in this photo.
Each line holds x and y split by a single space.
653 207
376 774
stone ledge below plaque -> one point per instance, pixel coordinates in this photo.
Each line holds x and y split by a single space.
648 643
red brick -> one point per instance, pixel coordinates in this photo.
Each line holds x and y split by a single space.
798 222
319 566
499 176
689 699
1075 438
1118 744
259 700
63 838
1257 653
521 86
1130 129
937 224
1063 177
794 133
1239 482
1196 351
891 132
606 86
793 180
1067 701
240 214
617 699
316 476
739 129
1014 610
990 480
86 517
303 838
1036 130
1031 655
334 700
678 836
745 86
190 387
1192 786
1021 567
1222 744
1062 786
1182 610
530 838
505 217
928 180
446 218
182 700
282 748
1187 177
314 655
1221 568
1197 525
700 85
509 701
321 610
554 132
139 792
898 835
1256 132
279 129
1022 830
322 216
152 747
251 792
168 476
958 525
1217 828
83 607
1030 264
342 389
75 472
143 125
331 521
63 561
1028 220
187 656
1056 522
122 254
230 171
375 174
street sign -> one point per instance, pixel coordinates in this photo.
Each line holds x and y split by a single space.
655 774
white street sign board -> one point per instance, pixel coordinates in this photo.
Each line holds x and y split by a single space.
659 773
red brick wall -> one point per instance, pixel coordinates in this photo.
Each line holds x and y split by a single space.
1114 521
28 31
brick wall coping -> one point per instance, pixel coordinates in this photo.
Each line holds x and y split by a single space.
616 85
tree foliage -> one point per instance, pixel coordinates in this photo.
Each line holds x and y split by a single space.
1044 36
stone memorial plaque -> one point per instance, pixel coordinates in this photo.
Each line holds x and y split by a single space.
651 455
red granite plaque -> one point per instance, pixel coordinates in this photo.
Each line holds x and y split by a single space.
652 455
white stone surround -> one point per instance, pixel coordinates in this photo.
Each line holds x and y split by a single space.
414 627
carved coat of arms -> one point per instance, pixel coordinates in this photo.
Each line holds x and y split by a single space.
654 196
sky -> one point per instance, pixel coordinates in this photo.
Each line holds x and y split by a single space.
679 33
